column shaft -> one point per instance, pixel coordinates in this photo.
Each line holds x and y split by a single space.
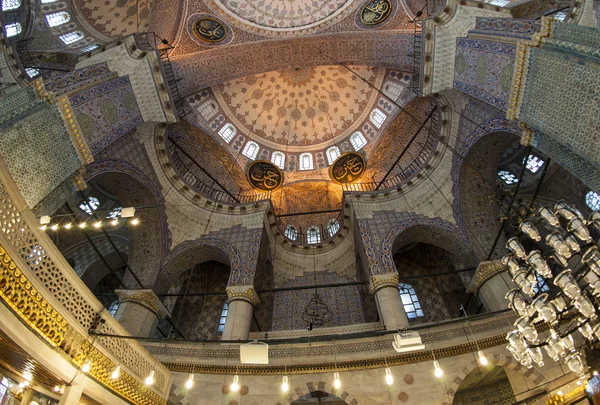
239 318
390 308
72 395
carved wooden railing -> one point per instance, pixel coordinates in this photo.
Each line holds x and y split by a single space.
42 289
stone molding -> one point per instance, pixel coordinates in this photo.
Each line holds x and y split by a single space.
144 298
379 281
485 271
242 293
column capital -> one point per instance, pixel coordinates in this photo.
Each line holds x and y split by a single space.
144 298
379 281
242 292
485 271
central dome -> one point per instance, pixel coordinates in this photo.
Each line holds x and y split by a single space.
283 15
300 107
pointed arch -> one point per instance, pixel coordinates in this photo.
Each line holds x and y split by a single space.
311 386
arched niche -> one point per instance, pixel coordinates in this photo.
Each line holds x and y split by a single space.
307 392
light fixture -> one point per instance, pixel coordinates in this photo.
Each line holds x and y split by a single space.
115 222
43 227
150 379
68 225
482 359
134 221
87 366
595 373
56 388
190 381
54 227
438 370
235 385
559 393
45 219
116 372
128 212
285 386
337 384
97 224
82 225
389 378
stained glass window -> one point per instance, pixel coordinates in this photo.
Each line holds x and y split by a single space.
91 206
332 227
306 161
227 132
592 199
112 308
278 159
251 150
534 163
59 18
508 177
377 117
114 214
358 140
313 235
411 303
13 29
223 317
332 154
71 37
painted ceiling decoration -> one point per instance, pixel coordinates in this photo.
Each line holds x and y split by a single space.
348 168
283 17
264 175
115 19
376 12
209 30
301 108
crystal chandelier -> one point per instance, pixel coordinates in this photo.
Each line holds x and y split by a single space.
555 263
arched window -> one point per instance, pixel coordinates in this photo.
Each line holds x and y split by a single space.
534 163
48 1
208 110
291 232
13 29
332 227
32 72
377 117
91 206
278 159
58 18
223 317
313 234
227 132
114 214
358 140
71 37
306 161
332 154
251 150
411 303
89 48
10 4
592 199
508 177
112 308
392 90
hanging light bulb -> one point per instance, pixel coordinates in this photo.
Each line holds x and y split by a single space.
43 227
337 384
389 378
114 222
530 230
285 386
150 379
577 226
515 246
482 359
54 227
134 221
549 216
87 366
235 385
438 370
190 381
116 372
82 225
68 225
56 388
97 224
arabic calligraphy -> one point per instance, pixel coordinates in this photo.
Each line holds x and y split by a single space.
348 168
264 175
375 12
209 30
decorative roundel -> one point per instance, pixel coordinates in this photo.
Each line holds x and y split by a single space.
264 175
208 30
348 168
374 13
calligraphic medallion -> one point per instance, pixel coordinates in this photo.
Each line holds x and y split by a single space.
264 175
348 168
209 30
375 12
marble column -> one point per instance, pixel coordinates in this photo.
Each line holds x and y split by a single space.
27 396
139 311
241 301
389 304
490 283
72 395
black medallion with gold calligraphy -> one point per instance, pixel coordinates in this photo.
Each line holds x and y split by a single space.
209 30
376 12
264 175
348 168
